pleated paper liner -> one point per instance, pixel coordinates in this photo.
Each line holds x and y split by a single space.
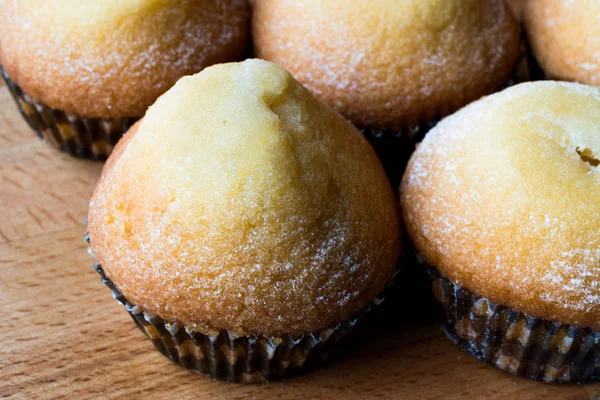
395 146
515 342
92 138
238 359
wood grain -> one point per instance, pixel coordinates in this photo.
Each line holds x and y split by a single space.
64 336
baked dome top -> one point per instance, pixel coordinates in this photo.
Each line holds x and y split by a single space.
389 63
113 58
565 38
241 203
503 198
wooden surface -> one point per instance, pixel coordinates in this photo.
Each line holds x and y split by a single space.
64 337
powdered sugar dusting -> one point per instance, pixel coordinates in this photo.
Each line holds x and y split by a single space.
243 204
565 38
390 63
498 198
113 59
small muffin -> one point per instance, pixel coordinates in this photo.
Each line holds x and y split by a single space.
83 71
502 202
564 38
391 67
245 223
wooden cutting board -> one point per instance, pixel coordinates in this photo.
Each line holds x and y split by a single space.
64 337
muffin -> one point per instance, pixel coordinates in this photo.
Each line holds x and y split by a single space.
246 226
501 202
82 72
392 67
564 38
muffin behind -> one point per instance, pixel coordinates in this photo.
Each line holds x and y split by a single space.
564 38
83 71
393 68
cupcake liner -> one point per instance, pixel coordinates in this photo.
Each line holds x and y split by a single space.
237 359
515 342
395 146
92 138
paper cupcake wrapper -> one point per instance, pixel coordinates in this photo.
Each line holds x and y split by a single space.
515 342
238 359
92 138
395 146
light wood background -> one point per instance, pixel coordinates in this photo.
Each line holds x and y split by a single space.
62 336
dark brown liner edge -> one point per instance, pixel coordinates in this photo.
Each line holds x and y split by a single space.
514 342
238 359
92 138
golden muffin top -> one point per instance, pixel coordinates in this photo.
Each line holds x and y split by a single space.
113 58
565 38
503 198
242 203
388 63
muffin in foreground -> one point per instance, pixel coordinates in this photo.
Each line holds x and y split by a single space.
502 203
82 72
246 225
392 67
564 38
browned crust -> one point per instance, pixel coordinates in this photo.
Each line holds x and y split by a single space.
564 38
306 241
498 200
116 68
390 64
